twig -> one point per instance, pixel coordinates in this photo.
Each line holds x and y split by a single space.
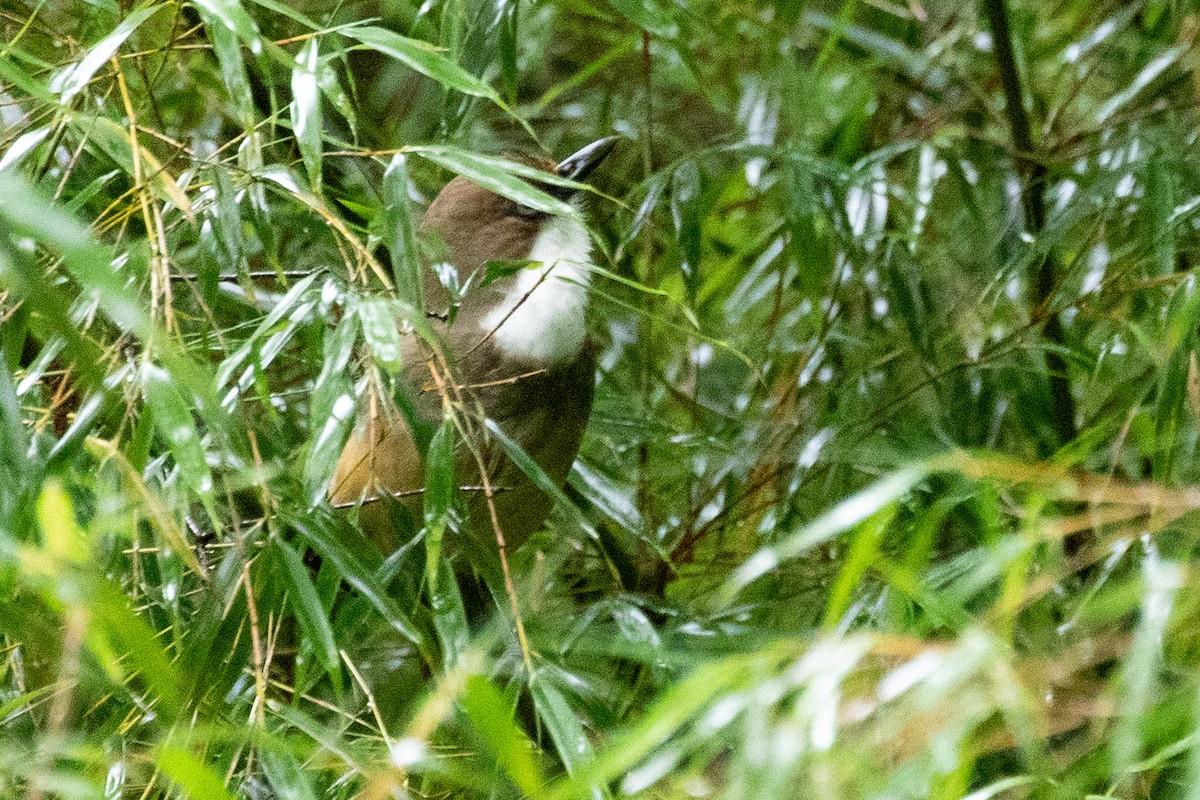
399 495
160 265
258 709
646 322
257 274
444 383
541 279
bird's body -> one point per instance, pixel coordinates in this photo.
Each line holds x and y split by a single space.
515 352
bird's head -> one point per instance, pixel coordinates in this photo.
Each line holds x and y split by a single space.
535 314
478 225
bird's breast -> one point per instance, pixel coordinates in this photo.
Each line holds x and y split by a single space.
542 316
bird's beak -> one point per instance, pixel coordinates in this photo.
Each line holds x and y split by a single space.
581 163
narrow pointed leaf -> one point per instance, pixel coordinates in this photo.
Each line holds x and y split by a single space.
423 58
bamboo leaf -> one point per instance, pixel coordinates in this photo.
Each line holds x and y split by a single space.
233 17
116 143
500 175
491 716
354 572
379 320
423 58
71 81
173 419
190 774
306 111
399 236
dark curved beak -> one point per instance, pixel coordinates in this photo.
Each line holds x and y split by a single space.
582 162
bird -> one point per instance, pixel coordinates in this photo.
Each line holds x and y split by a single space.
513 350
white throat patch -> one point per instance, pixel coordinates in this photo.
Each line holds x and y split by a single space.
542 319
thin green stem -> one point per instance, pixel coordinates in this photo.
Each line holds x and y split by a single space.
1034 174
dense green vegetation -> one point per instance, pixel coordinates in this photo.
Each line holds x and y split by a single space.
888 490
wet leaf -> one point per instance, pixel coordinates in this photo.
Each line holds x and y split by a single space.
379 321
407 262
439 491
491 716
500 175
423 58
173 419
306 111
312 613
74 78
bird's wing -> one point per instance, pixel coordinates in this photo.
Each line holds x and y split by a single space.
543 411
381 457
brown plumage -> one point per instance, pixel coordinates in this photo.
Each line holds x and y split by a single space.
527 366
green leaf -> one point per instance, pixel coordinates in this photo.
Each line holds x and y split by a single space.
379 320
564 726
16 75
536 474
227 23
27 211
286 775
327 79
355 573
314 617
61 535
788 11
22 146
507 49
24 279
492 717
449 614
306 111
173 419
649 15
846 514
495 270
449 617
499 175
674 705
439 491
197 780
863 552
326 738
1160 204
90 191
423 58
140 646
284 321
1147 75
332 407
398 234
116 143
17 471
916 64
642 288
121 641
233 17
73 79
1161 582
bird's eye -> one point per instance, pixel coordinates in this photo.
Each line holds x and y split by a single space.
517 210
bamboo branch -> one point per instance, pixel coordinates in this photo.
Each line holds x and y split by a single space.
266 274
1034 174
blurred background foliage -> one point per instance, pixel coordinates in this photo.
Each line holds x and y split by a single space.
888 491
